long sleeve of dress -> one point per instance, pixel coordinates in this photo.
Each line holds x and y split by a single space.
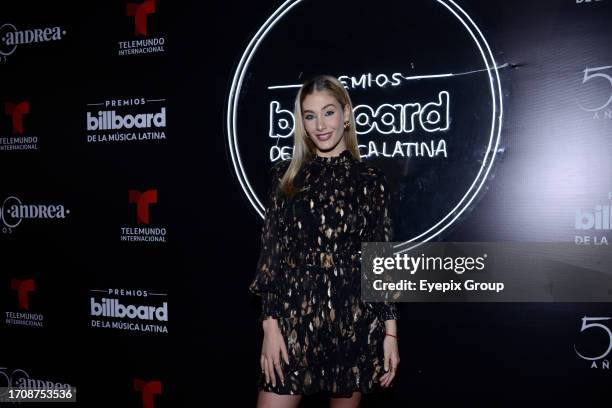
265 283
382 232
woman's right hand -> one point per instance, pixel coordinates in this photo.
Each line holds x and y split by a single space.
273 350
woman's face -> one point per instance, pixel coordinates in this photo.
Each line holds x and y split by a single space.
324 122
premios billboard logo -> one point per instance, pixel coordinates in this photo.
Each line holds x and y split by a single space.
593 224
587 1
125 120
135 310
426 92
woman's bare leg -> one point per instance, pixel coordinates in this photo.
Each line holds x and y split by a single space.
267 399
351 402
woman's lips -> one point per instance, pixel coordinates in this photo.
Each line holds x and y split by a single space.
324 136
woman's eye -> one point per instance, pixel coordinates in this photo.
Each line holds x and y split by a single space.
309 117
329 112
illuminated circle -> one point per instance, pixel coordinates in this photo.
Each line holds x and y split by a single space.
10 380
361 119
3 30
437 117
4 213
489 156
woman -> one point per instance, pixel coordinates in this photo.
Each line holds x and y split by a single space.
318 334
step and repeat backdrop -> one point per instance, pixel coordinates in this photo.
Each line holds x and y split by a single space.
135 143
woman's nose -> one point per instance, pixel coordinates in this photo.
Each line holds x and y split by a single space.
320 124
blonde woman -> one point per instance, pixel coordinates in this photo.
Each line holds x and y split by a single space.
318 334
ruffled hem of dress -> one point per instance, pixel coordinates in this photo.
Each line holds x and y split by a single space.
285 390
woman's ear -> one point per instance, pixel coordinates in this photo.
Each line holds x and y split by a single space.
347 112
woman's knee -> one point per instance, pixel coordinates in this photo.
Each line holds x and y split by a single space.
346 402
267 399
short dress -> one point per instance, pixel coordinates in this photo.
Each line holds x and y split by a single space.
309 278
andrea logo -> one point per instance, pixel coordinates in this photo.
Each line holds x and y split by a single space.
148 389
11 37
16 111
430 116
140 12
11 378
23 289
142 201
13 211
21 379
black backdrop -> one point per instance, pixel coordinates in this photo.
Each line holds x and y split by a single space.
554 159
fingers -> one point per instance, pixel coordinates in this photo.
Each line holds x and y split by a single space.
391 366
284 352
279 371
385 377
274 351
262 364
273 367
269 368
388 378
266 370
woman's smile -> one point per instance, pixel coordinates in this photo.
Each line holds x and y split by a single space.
324 136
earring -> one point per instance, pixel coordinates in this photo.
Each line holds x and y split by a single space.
346 125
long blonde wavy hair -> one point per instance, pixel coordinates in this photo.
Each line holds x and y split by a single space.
304 148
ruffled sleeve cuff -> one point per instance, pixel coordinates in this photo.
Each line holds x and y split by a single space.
387 311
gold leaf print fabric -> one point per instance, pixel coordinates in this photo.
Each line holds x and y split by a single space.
309 274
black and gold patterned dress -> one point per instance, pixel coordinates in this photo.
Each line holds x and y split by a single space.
308 275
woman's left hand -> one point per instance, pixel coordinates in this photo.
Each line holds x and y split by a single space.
392 360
